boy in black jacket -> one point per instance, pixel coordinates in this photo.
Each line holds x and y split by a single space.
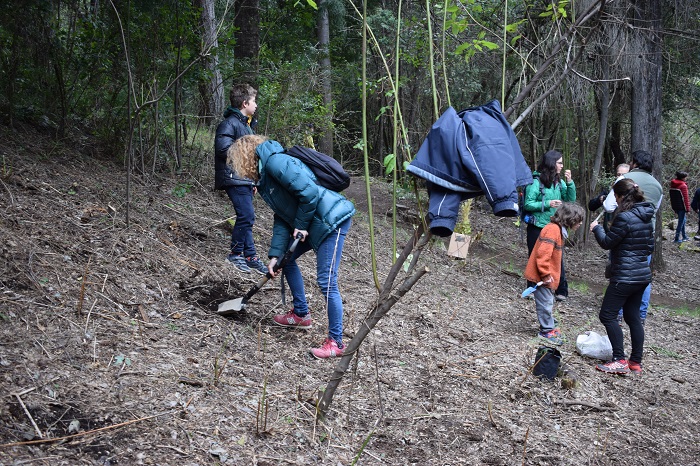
238 121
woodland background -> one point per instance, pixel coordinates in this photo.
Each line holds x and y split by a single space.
149 80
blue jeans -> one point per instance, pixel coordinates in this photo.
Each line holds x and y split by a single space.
242 234
680 229
628 296
327 262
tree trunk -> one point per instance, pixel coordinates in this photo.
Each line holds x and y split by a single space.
247 47
211 87
593 188
645 16
325 142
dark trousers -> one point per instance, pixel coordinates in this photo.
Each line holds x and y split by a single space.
629 297
242 234
533 233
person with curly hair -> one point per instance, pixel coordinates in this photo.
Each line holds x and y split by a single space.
322 217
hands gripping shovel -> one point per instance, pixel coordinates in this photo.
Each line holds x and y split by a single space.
233 306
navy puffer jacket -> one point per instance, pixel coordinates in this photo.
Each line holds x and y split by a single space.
630 241
234 126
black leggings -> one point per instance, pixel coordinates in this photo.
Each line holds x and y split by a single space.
533 233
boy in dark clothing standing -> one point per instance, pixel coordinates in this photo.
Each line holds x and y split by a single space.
238 121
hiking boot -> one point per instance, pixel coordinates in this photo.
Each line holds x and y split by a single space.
635 367
255 264
560 297
685 240
239 262
619 366
290 319
329 349
552 337
697 237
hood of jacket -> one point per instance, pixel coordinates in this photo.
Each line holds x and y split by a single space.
676 183
643 210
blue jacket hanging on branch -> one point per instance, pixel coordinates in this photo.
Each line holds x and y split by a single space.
468 154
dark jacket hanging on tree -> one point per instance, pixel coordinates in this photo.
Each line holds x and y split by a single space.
468 154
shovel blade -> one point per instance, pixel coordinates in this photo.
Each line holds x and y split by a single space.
231 306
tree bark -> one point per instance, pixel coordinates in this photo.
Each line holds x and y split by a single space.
645 17
211 87
247 47
325 142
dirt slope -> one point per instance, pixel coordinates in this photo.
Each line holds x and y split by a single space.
110 333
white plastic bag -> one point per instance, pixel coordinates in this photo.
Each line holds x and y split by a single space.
594 345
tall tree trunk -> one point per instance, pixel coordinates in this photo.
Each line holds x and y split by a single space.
645 16
604 101
325 142
247 47
211 87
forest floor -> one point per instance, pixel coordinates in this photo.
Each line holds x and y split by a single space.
111 350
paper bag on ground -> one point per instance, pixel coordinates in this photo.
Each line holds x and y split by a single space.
459 245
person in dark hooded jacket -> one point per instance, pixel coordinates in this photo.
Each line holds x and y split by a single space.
630 240
239 120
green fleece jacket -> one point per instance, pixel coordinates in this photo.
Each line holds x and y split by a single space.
538 204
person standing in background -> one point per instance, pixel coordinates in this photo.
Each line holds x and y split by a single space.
680 205
542 198
641 167
239 120
597 202
630 241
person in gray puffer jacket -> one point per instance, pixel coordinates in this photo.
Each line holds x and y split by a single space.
630 240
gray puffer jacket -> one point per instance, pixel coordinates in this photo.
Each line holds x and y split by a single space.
630 241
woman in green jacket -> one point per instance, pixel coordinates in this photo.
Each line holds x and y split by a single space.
542 198
323 218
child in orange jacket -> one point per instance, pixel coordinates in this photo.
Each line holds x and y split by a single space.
544 266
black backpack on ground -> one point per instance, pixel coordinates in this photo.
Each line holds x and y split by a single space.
329 172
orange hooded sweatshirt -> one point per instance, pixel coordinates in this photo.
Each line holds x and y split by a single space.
545 259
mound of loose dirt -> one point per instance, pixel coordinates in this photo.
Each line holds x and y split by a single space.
112 353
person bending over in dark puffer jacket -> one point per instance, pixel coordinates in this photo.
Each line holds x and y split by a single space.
630 240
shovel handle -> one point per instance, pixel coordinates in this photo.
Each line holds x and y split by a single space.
287 255
275 268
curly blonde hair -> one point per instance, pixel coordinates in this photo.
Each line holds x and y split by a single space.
242 158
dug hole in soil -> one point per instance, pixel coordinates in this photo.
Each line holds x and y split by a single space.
111 341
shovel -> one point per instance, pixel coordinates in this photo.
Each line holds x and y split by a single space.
530 290
233 306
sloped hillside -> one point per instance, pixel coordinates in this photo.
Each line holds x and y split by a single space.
111 352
